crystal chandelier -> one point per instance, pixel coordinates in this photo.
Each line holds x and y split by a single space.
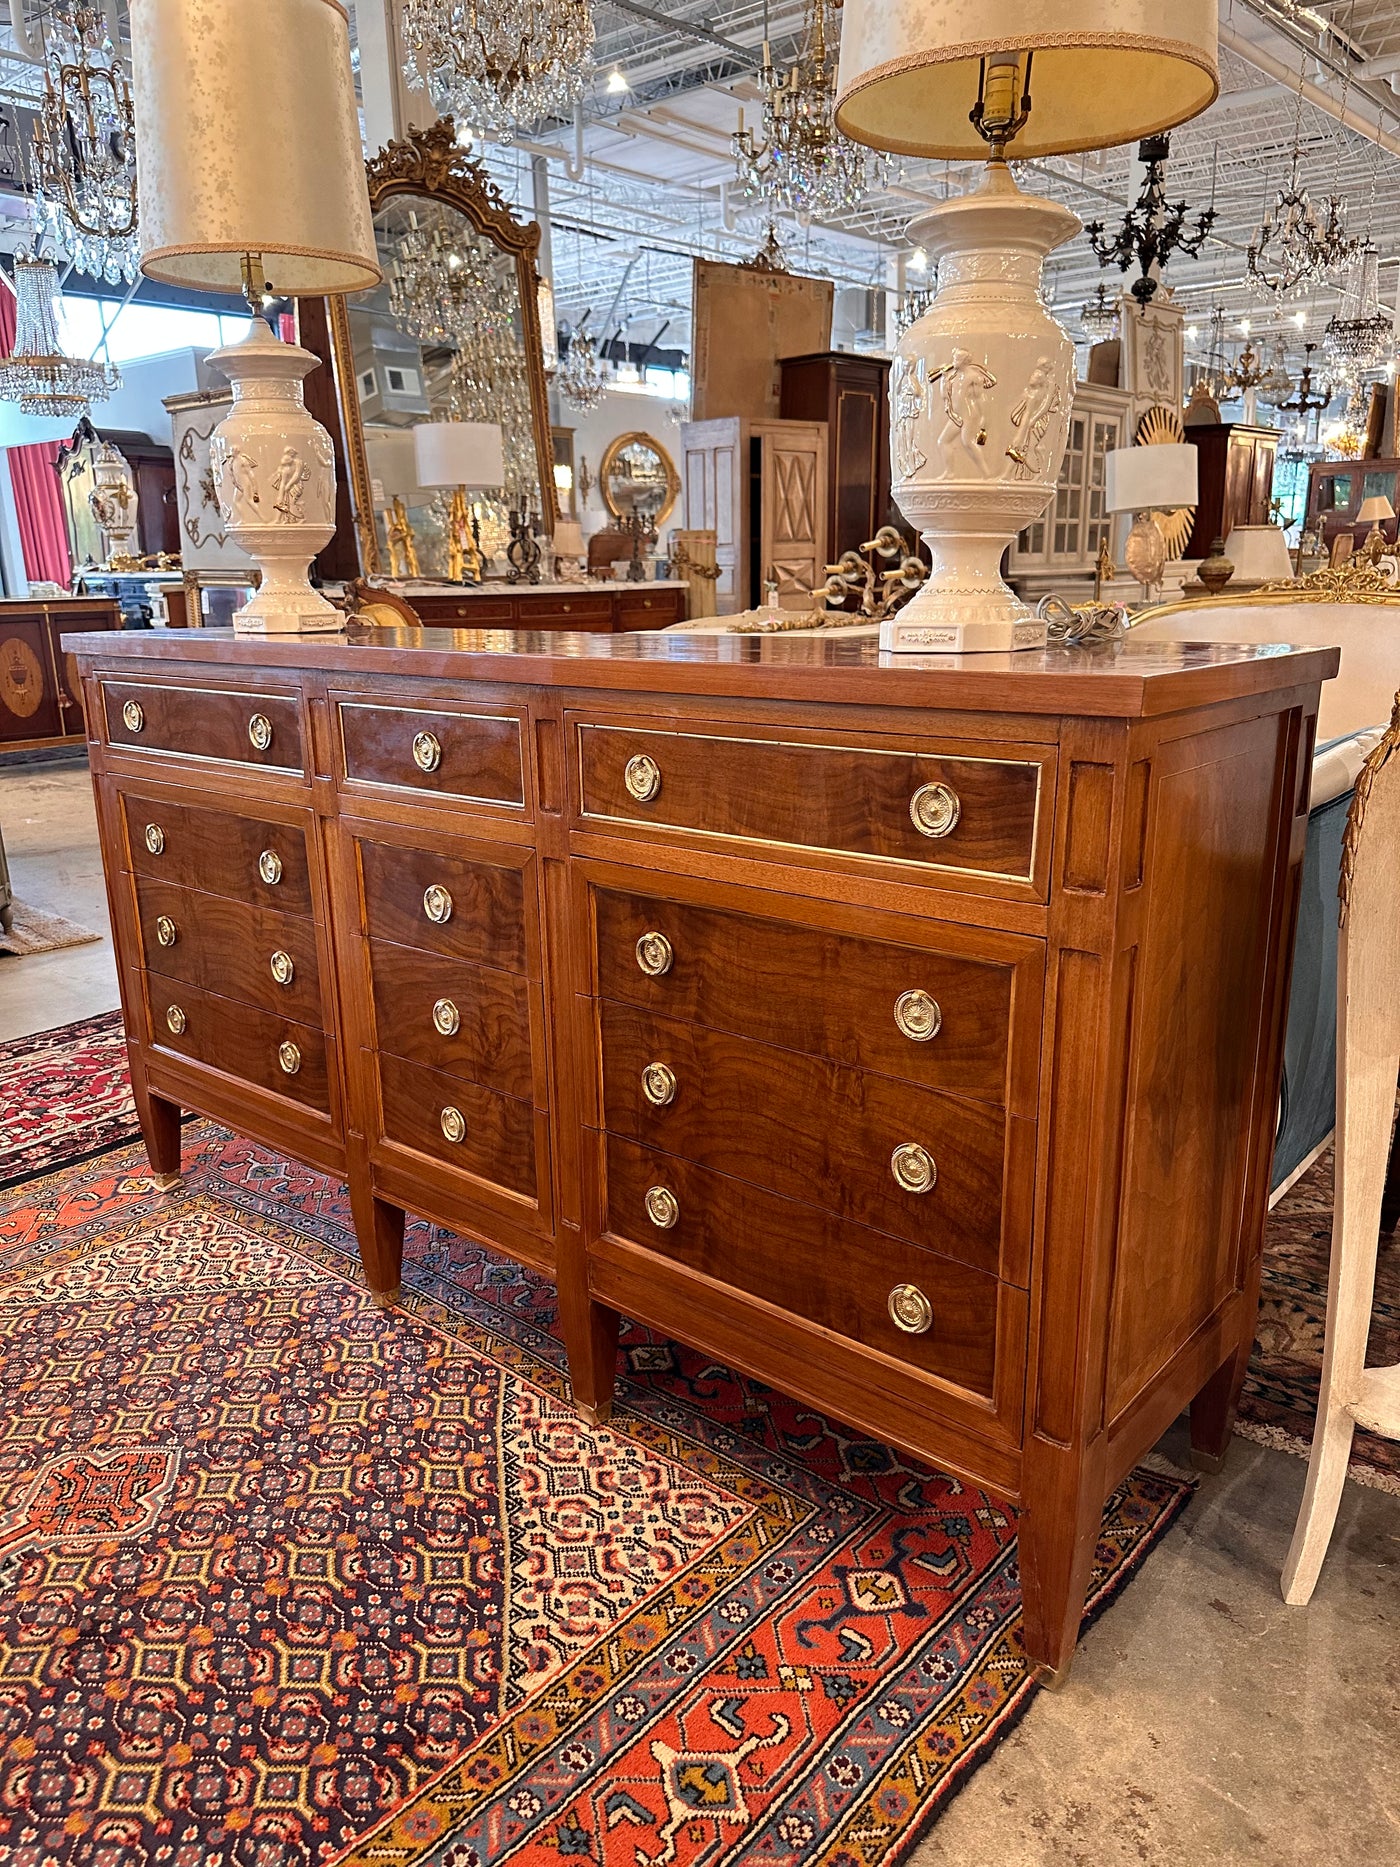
1099 318
84 147
1292 249
500 65
438 288
1276 382
800 161
1358 333
39 375
581 379
1153 227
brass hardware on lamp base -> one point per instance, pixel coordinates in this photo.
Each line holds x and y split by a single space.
465 564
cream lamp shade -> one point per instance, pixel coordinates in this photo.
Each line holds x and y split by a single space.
1259 554
248 142
1137 479
459 453
1374 509
1105 71
568 539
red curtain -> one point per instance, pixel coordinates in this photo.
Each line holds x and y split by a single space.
43 528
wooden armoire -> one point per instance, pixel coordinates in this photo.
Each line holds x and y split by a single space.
761 487
851 394
1235 475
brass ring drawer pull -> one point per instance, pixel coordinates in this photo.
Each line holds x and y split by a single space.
453 1124
663 1208
437 903
283 967
914 1168
447 1020
427 751
133 716
659 1085
910 1310
642 776
175 1020
918 1016
289 1057
654 954
260 732
167 933
270 867
935 809
155 839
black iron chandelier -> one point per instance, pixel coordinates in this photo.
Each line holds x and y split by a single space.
1153 227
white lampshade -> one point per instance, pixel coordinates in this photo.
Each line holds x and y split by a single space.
1375 508
459 453
1105 71
568 539
248 141
1259 554
1137 479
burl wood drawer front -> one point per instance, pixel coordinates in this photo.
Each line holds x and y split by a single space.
924 1166
444 904
475 756
275 1053
910 1012
254 954
568 612
218 851
468 1021
464 1125
808 1263
205 723
974 815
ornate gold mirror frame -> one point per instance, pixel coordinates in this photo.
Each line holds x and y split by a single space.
431 163
615 449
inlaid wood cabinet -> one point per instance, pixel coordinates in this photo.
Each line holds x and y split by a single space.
907 1036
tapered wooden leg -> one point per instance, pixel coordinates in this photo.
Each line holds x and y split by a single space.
590 1332
1056 1540
379 1234
1213 1411
160 1130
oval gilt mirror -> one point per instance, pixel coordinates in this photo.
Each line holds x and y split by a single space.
638 476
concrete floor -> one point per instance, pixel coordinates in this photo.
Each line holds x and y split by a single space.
1204 1722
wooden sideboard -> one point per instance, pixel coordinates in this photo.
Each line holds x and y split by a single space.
908 1036
1235 471
39 703
595 608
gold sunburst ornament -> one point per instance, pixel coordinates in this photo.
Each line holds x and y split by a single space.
1162 427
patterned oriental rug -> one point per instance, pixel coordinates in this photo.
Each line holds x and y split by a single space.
287 1580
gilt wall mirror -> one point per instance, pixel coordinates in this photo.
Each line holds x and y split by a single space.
453 334
639 476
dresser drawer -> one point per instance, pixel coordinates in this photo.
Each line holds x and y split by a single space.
976 816
444 904
807 1263
649 609
219 851
828 994
467 1021
275 1053
466 611
924 1166
464 1125
587 610
205 723
254 954
467 755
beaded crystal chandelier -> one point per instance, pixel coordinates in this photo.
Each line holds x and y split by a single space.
1293 249
1099 318
499 66
84 146
799 161
1358 334
39 375
439 286
581 379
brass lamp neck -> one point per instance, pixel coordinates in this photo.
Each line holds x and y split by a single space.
254 283
1003 104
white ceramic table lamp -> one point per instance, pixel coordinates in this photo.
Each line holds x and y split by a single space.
569 550
251 173
1145 480
458 455
1373 510
983 382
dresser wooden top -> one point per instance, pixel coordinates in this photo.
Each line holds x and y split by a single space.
1121 679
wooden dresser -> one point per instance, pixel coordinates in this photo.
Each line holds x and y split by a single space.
908 1036
590 607
39 704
